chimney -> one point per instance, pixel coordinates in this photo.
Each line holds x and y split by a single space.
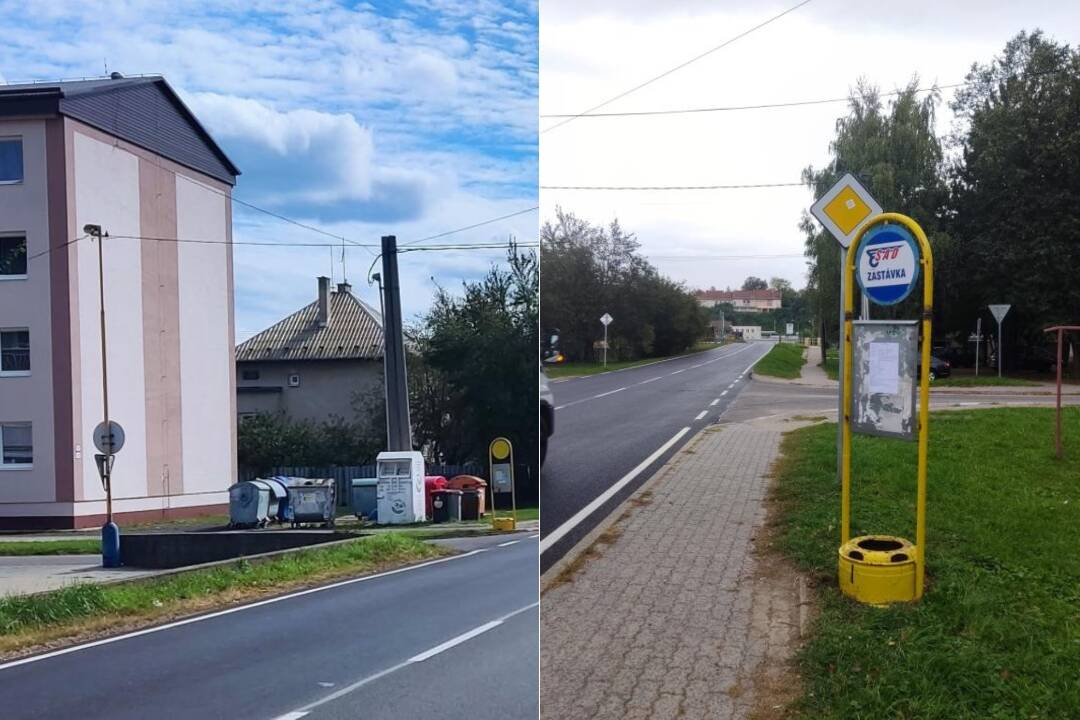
344 287
324 301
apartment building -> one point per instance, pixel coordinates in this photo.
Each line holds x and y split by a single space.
766 299
127 155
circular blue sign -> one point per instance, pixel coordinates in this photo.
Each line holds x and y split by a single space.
888 263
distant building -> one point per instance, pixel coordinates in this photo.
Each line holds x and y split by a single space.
324 360
127 155
768 299
747 332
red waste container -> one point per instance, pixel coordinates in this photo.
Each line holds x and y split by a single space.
431 484
471 482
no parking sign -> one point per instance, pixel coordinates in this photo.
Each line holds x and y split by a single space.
888 263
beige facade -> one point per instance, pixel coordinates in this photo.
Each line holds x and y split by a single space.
169 328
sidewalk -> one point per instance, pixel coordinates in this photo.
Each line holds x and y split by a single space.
671 613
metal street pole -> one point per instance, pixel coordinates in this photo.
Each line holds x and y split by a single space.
110 533
1001 348
978 337
840 370
605 347
399 429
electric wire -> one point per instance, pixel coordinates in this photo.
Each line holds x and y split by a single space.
664 74
742 186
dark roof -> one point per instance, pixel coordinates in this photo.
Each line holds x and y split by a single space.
145 111
353 332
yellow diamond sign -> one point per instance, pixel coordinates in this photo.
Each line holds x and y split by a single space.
845 208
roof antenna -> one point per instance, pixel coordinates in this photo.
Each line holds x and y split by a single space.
106 61
344 279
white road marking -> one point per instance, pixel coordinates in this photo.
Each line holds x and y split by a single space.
558 533
677 372
414 659
533 537
646 382
715 401
605 394
228 611
507 544
701 414
723 393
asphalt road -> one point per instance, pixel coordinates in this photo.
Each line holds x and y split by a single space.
613 430
455 638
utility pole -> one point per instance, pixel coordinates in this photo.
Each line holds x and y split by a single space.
110 533
398 427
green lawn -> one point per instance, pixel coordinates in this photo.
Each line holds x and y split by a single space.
574 369
33 619
997 634
51 547
784 361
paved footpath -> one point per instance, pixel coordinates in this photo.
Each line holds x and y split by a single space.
669 614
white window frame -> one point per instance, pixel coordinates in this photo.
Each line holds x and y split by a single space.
22 145
14 373
15 466
26 241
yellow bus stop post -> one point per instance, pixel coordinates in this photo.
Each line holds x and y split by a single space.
926 260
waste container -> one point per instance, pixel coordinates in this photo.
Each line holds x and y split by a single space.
311 501
440 506
470 505
248 504
471 482
453 505
365 497
431 484
279 499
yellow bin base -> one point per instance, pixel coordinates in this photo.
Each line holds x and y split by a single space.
878 569
505 524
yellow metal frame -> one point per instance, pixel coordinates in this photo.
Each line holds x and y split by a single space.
927 262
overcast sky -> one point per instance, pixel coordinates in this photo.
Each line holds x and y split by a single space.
408 117
592 50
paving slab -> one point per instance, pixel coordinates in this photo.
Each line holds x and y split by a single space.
40 573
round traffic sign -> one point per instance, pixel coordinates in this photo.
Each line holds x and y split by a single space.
109 439
888 263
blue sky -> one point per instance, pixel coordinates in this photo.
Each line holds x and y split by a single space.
367 119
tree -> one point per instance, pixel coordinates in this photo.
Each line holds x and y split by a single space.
591 270
1016 189
754 283
897 155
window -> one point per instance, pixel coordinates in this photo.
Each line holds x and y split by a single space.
16 445
250 375
12 256
294 380
14 352
11 161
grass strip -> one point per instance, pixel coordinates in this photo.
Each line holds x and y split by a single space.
982 381
78 610
575 369
51 547
784 360
997 634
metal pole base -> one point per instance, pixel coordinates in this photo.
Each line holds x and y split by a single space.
110 545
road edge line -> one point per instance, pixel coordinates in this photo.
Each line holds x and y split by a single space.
635 367
596 503
549 578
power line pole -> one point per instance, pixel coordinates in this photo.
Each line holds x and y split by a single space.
398 427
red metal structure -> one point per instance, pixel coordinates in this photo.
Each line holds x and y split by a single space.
1060 330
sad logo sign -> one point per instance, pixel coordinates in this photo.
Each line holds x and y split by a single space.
888 264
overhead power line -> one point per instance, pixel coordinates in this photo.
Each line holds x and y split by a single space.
678 67
474 225
744 186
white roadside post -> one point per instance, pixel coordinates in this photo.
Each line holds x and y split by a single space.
843 210
999 312
605 319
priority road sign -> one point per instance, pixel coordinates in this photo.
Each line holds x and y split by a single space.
845 208
606 319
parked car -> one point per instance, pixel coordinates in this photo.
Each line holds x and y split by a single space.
551 356
938 368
